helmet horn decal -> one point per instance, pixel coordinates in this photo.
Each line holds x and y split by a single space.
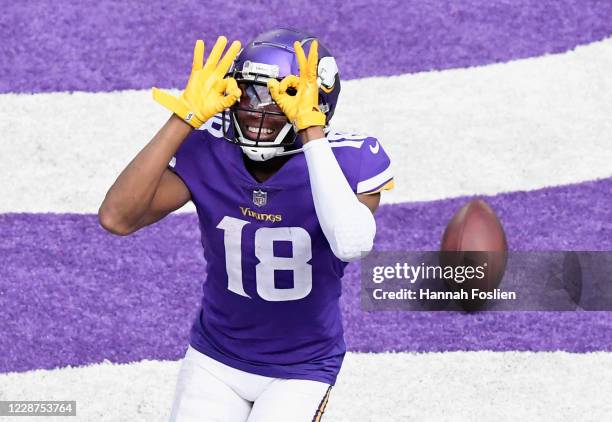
327 70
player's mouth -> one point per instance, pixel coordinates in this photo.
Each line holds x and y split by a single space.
264 130
266 133
251 122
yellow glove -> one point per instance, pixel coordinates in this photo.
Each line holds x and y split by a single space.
302 109
207 92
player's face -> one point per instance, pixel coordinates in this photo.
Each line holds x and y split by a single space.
254 124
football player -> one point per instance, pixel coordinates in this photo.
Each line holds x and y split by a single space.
283 203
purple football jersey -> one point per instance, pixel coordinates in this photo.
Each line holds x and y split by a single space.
270 302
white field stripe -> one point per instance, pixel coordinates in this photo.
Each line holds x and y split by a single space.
520 125
457 386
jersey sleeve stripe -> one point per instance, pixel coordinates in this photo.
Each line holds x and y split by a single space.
354 144
375 182
387 186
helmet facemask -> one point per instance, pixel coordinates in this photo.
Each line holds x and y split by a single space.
257 123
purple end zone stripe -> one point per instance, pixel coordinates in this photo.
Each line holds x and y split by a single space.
72 294
107 45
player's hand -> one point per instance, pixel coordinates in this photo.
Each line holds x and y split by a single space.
302 109
207 92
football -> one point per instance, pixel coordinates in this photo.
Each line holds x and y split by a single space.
474 237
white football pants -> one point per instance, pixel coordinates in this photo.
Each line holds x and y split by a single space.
208 390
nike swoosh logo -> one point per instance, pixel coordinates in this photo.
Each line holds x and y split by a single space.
375 148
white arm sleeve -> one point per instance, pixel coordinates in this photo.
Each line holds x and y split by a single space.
348 224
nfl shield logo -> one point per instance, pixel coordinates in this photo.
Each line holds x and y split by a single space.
260 198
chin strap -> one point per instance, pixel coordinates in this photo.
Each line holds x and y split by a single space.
261 154
348 225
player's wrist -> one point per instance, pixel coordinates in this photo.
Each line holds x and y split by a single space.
192 120
179 121
311 133
179 125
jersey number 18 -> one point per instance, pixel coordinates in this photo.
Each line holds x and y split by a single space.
268 263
